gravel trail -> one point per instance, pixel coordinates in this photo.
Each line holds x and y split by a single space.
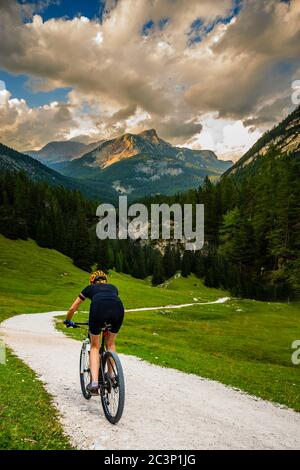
164 409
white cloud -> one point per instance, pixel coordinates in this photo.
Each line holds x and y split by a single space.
99 38
122 81
227 138
23 127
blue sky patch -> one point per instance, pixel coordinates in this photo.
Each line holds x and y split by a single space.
68 8
199 29
150 26
18 87
147 28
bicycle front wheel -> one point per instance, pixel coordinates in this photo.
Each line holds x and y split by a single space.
84 371
113 389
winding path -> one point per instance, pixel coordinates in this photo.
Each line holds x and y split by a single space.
165 408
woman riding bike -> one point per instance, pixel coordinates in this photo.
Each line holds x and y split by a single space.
106 309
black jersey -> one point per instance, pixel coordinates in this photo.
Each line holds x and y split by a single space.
100 292
106 307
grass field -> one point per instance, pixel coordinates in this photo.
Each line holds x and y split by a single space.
242 343
35 279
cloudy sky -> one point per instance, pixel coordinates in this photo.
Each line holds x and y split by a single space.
206 74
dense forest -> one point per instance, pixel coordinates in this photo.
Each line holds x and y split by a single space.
60 218
252 230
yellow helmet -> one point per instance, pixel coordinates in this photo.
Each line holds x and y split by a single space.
98 276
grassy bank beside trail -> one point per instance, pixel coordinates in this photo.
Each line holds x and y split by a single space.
241 343
32 280
27 417
35 279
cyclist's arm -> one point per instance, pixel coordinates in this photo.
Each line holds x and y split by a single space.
74 307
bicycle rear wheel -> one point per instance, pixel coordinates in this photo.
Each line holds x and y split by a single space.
84 371
113 389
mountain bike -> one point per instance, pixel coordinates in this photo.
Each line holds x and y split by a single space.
111 377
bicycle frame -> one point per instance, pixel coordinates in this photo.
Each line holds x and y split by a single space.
101 354
111 377
104 333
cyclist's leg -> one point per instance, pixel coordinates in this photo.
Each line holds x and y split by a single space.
95 325
115 318
110 341
94 357
116 321
114 315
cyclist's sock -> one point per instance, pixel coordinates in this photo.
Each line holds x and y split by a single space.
95 384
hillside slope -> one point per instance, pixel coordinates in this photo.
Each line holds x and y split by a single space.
11 160
50 280
284 138
58 151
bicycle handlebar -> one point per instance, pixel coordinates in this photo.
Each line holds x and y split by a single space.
78 324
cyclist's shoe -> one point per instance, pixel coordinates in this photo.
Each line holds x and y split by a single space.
70 324
94 391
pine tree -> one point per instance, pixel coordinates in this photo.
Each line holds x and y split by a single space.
101 255
110 255
158 276
82 255
44 236
119 261
186 265
169 262
178 259
139 270
199 264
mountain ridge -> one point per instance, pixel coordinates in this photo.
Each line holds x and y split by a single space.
143 164
60 150
283 138
12 160
136 165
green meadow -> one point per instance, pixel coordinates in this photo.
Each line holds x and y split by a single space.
242 343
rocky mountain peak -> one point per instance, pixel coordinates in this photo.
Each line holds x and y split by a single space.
150 134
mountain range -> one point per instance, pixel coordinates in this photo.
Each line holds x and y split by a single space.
136 165
141 165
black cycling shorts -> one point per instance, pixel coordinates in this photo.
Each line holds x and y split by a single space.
106 312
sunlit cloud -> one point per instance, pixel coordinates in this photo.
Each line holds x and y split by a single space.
124 78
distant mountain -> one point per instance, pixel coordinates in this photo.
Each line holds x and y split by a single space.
282 139
142 164
59 151
12 160
128 146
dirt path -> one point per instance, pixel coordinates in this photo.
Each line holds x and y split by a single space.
172 307
222 300
165 408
